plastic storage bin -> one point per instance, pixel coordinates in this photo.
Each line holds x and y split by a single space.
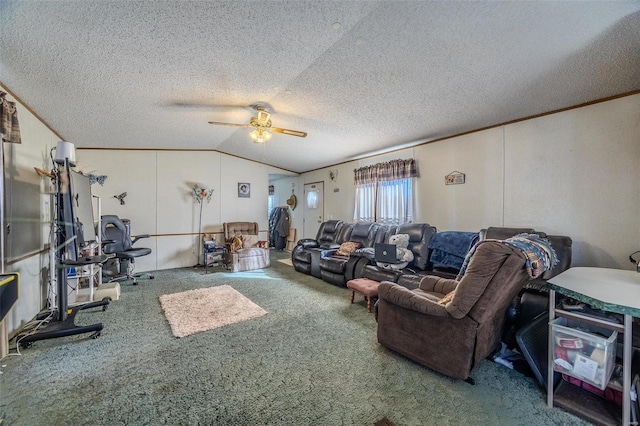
580 353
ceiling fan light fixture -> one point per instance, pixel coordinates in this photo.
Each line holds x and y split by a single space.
260 135
261 122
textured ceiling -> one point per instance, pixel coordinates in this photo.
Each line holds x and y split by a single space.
150 74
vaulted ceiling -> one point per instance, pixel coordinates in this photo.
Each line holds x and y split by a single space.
358 76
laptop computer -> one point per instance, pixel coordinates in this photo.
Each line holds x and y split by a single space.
386 253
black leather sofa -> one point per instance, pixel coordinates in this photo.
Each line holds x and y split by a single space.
318 256
307 250
337 269
419 236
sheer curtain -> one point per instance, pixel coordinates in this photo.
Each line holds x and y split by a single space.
384 192
395 201
365 208
9 127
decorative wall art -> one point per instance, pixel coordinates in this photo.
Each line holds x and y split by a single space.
454 178
292 202
96 178
244 190
120 197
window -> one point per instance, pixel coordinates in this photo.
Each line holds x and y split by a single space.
395 202
272 199
384 192
312 199
365 210
271 202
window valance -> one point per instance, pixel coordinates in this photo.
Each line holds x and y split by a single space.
9 127
391 170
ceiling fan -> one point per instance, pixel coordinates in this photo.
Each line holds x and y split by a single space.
261 122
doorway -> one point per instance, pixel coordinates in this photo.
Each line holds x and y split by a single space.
313 208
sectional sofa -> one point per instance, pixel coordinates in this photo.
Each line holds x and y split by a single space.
320 257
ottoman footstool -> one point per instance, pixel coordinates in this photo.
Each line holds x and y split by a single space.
368 288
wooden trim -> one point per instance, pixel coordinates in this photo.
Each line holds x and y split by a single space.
28 255
185 234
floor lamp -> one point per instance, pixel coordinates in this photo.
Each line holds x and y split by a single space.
200 195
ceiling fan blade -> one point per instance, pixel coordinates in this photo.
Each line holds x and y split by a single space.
208 105
289 132
219 123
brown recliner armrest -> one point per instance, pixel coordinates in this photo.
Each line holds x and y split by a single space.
401 296
435 284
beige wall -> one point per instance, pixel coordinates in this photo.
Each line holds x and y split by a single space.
20 160
574 173
475 204
577 173
160 202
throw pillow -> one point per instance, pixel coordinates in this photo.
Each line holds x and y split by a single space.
348 247
236 244
249 241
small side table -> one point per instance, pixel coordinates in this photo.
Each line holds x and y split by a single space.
213 256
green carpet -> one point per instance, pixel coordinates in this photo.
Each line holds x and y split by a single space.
313 359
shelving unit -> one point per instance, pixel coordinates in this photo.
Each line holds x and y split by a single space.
212 256
89 275
610 290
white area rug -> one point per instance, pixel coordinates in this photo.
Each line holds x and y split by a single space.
286 261
204 309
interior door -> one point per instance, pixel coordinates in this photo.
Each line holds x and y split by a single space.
313 208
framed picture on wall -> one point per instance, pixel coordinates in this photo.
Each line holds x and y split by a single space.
244 190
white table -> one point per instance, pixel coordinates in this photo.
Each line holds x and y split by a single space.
611 290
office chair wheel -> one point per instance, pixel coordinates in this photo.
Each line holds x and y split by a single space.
106 299
26 345
95 335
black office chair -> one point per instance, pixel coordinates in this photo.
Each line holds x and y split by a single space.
116 239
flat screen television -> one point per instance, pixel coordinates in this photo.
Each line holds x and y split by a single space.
75 214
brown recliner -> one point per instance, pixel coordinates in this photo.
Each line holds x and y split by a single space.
250 255
453 336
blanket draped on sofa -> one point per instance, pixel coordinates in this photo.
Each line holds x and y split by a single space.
538 253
